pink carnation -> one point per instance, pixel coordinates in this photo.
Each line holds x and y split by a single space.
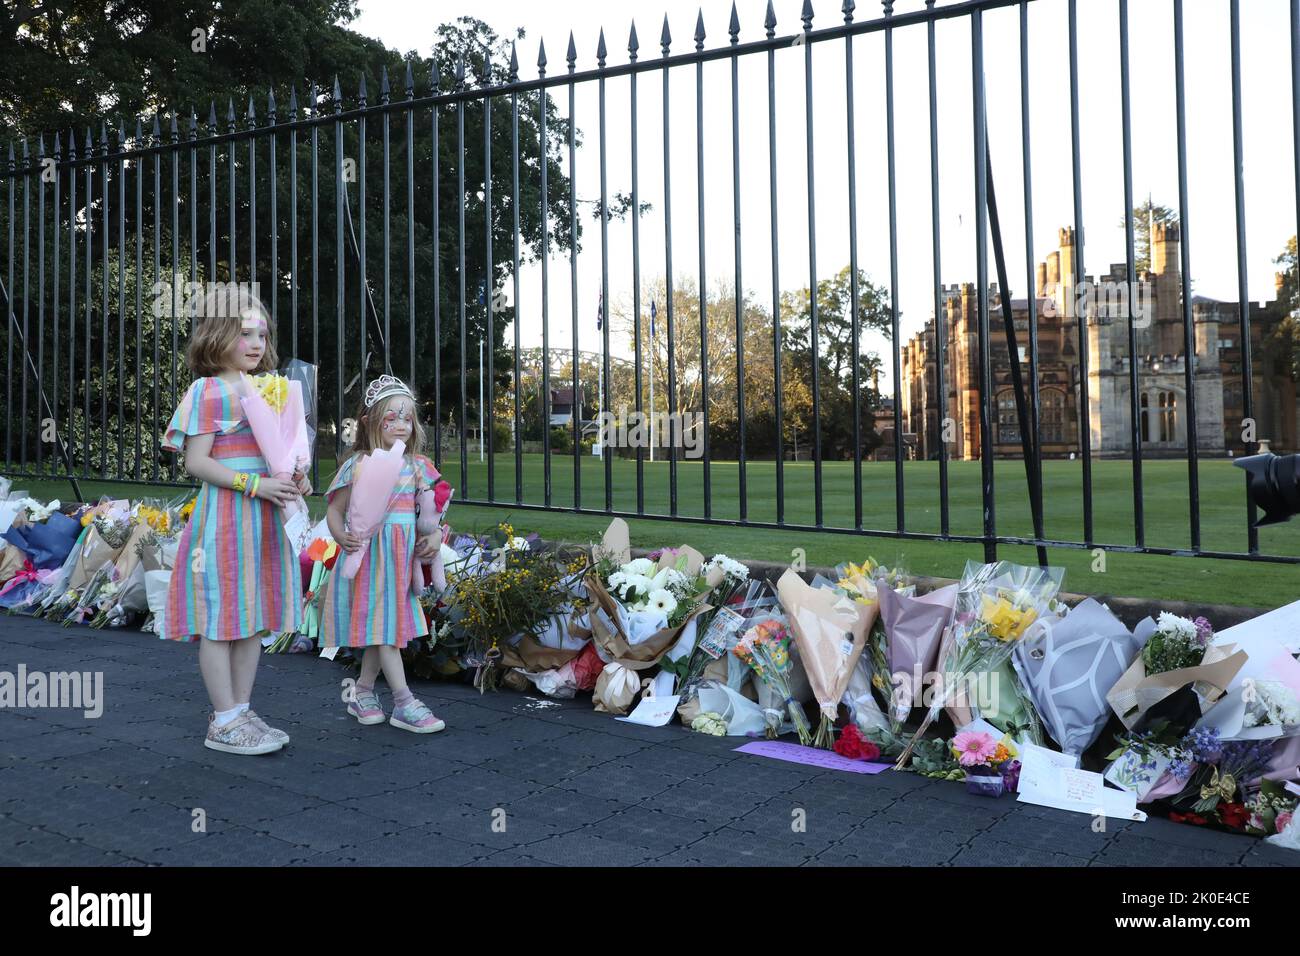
1283 820
973 748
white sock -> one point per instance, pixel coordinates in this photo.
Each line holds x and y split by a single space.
242 707
224 717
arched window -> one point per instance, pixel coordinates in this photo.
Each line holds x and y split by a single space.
1146 417
1168 417
1008 420
1051 404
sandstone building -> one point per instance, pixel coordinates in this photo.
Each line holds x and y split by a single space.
1160 354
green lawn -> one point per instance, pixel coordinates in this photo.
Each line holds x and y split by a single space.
1223 517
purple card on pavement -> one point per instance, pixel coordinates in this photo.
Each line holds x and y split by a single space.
812 756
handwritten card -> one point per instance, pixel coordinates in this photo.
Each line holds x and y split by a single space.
653 711
1080 791
810 756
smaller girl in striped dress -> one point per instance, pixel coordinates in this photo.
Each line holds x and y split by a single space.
378 610
237 577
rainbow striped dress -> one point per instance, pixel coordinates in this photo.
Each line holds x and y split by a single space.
236 575
378 605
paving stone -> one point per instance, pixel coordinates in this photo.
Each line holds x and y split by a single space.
1129 850
58 743
604 746
141 833
574 786
887 843
651 829
541 764
770 776
398 771
564 808
815 827
43 848
408 848
327 828
230 847
85 803
1073 835
581 849
1266 854
508 858
628 784
496 828
939 815
479 787
701 801
988 852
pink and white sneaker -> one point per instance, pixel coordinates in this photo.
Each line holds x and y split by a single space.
416 717
366 709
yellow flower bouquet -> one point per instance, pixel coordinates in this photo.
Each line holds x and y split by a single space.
997 605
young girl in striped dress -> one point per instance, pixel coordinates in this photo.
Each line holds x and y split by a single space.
236 577
377 610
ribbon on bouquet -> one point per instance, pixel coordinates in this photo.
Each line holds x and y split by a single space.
26 573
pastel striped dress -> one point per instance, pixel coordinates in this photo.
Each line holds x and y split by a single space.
378 606
236 575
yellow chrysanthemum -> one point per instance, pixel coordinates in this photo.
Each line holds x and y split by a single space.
1005 621
274 389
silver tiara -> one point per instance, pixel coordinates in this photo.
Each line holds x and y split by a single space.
383 387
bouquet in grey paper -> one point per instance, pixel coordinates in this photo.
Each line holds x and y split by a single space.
1068 664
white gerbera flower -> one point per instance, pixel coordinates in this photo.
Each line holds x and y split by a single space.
663 601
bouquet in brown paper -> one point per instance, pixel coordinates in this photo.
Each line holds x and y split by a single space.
639 608
830 631
1175 652
109 528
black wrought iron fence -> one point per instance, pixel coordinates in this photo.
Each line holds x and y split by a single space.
109 231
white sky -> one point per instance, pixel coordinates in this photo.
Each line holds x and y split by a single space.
1270 200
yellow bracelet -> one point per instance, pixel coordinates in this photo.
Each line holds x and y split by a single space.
241 482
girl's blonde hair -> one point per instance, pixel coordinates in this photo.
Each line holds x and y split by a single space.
370 423
216 325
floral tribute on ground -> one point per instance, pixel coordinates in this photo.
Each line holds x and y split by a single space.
992 681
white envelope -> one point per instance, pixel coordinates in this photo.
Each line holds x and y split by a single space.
1080 791
1282 626
653 711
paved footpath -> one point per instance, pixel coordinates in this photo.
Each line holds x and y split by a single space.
567 786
